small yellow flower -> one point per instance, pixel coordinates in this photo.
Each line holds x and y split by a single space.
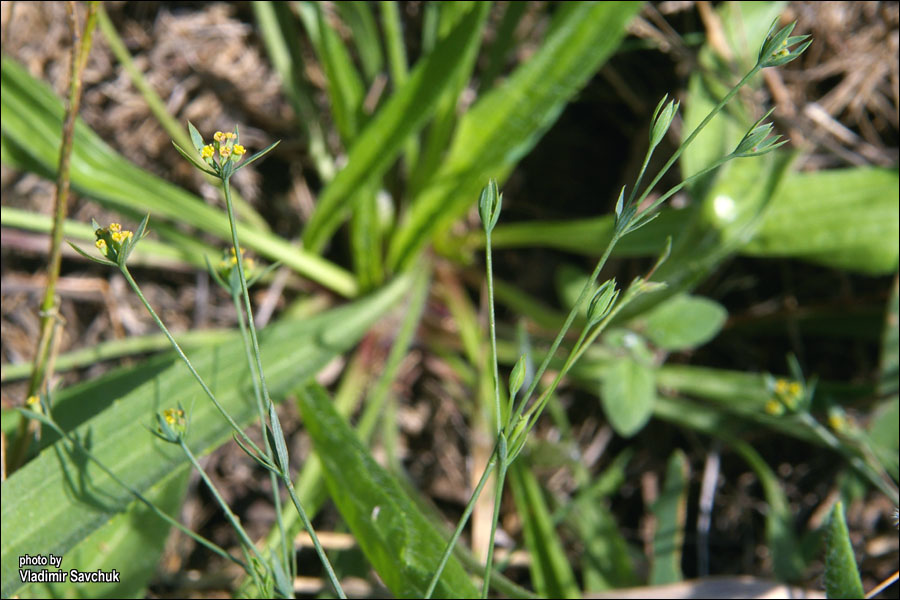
794 388
781 386
101 245
837 422
207 151
229 135
224 151
219 137
774 407
115 227
173 416
239 150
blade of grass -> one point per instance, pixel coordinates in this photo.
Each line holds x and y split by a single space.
670 510
551 570
278 29
404 113
364 33
344 84
503 42
442 125
31 117
401 544
506 123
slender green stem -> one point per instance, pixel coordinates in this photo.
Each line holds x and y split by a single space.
43 363
190 366
498 497
695 133
860 465
462 523
232 519
139 496
285 477
246 296
276 497
511 424
498 424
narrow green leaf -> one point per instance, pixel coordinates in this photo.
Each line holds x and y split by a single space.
889 365
504 40
628 393
400 543
445 117
359 18
344 85
196 139
841 573
787 559
256 156
279 31
365 240
551 569
130 543
506 123
96 259
670 510
404 113
202 166
32 121
684 321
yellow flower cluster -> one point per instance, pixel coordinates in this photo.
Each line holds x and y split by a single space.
229 262
174 416
111 240
787 396
225 145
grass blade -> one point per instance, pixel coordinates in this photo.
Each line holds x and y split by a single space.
507 122
405 112
398 540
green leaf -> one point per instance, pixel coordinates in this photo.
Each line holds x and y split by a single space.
884 435
131 543
889 365
402 545
841 574
344 85
670 510
364 33
58 499
31 123
847 218
607 560
589 236
381 141
506 123
787 559
684 321
628 393
551 570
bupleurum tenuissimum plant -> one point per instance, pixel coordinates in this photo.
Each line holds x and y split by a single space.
515 420
272 574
